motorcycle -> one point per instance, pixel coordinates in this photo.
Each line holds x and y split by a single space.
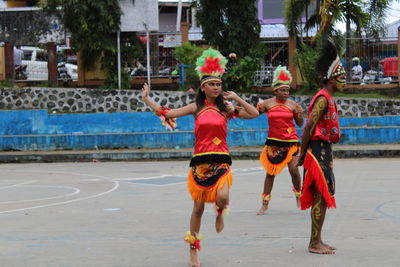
20 72
63 72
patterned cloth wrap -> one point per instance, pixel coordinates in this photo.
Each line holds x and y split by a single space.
318 171
277 154
275 158
204 180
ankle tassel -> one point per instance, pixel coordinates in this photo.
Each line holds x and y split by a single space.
297 193
226 211
193 240
266 197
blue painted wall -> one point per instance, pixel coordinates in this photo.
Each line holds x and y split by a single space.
38 130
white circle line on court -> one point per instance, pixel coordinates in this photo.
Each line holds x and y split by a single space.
63 172
19 184
76 191
65 202
163 176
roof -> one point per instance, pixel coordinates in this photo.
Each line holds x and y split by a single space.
174 2
268 31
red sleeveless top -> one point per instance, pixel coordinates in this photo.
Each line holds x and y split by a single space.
210 130
281 125
327 128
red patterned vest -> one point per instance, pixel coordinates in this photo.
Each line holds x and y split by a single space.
327 128
210 129
280 119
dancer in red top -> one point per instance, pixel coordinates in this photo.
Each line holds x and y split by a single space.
282 145
209 177
320 131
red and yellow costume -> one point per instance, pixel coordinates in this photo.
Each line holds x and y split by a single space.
318 164
210 164
282 142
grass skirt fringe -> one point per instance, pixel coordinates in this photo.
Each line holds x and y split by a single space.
276 168
207 194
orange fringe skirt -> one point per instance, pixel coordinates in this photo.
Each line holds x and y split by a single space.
204 181
275 158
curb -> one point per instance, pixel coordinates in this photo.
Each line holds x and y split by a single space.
169 155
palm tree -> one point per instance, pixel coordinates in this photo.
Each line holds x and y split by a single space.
366 15
325 15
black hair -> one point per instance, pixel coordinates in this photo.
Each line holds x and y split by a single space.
201 97
327 55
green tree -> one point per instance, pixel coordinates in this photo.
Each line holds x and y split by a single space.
377 10
232 26
93 26
326 14
187 54
367 16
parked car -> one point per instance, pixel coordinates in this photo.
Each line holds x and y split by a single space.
36 61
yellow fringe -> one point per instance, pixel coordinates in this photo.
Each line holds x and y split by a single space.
207 194
274 169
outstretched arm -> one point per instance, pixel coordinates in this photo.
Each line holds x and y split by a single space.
317 112
248 111
173 113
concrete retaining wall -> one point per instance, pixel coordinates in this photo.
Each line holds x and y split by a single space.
38 130
78 100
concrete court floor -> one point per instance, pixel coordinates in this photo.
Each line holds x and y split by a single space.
136 214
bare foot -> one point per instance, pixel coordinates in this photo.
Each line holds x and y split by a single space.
219 223
319 248
328 246
194 258
263 208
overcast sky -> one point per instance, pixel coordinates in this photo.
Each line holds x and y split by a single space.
394 11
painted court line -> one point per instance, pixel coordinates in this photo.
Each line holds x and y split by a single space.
379 208
116 185
236 172
15 185
76 191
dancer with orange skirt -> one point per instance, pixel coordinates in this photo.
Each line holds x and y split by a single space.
320 132
209 177
282 145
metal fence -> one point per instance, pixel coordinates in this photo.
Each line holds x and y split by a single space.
277 54
162 60
377 60
373 61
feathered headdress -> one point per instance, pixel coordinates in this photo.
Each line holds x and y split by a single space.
282 77
328 64
210 65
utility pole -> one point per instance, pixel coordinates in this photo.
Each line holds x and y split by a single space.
178 16
119 58
147 53
348 48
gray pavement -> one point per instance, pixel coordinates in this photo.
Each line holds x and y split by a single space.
340 151
136 214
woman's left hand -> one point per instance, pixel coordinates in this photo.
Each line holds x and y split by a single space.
230 95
